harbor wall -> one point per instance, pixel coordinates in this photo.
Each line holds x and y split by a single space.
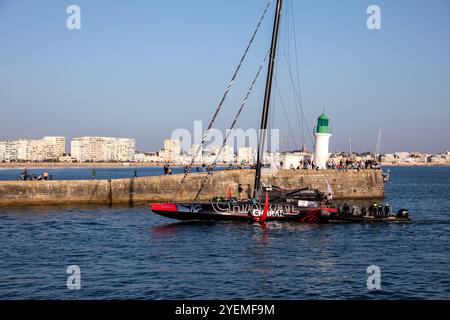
364 184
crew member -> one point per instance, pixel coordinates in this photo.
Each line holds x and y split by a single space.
345 209
240 191
249 191
380 210
386 209
363 210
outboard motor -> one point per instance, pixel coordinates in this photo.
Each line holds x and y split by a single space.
403 213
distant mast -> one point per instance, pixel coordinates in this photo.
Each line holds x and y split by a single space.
265 111
378 147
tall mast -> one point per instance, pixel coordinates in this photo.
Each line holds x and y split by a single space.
378 147
265 111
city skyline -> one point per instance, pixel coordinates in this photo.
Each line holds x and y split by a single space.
144 70
119 149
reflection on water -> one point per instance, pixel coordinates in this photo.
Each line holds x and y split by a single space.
128 252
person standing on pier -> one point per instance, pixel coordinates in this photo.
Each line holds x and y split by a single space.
240 192
94 174
249 191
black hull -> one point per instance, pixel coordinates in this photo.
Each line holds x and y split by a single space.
245 211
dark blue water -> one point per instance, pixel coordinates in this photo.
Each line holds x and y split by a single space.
131 253
86 173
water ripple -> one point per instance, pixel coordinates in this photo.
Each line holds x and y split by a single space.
129 253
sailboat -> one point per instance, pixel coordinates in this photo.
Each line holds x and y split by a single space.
270 203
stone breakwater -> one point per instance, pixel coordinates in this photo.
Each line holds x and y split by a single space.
346 185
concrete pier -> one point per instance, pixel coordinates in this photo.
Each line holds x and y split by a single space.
364 184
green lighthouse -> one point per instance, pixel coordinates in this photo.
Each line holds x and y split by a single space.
321 153
322 124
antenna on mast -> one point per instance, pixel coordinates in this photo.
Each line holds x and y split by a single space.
350 145
378 147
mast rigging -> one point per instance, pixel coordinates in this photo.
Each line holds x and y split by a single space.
268 91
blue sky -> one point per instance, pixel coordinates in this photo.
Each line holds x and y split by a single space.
144 68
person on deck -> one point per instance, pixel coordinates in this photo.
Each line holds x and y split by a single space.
386 209
363 210
345 209
240 192
249 191
380 210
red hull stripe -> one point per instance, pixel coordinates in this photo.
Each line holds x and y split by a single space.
169 207
334 210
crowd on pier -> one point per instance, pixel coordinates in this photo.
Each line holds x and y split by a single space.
25 175
307 164
342 165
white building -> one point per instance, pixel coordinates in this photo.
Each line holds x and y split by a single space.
56 146
224 156
146 157
172 145
402 156
46 149
294 159
272 158
171 152
103 149
227 154
246 155
193 152
388 158
11 151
